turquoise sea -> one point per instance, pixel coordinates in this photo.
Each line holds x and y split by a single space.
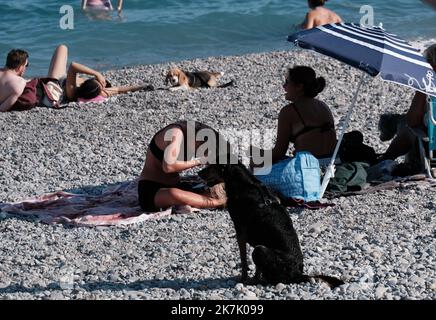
153 31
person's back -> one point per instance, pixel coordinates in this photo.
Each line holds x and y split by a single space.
306 122
314 126
11 82
318 15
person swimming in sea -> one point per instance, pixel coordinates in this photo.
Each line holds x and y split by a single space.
101 5
318 15
431 3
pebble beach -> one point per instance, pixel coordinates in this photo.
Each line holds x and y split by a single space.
381 244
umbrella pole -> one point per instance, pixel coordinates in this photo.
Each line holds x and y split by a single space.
330 172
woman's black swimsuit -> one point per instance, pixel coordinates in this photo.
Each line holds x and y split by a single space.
147 189
322 128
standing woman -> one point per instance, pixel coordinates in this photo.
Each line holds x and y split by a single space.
167 155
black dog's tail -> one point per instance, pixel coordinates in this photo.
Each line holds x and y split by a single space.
333 282
228 84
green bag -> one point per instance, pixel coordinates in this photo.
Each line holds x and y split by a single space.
349 176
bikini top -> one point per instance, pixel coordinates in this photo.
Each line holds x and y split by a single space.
322 128
156 151
183 125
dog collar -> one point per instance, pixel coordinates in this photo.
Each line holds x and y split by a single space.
267 201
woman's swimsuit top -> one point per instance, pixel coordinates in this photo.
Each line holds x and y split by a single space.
155 150
322 128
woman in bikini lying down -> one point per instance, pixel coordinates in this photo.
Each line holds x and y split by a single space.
168 154
80 89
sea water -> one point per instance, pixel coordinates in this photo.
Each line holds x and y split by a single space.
153 31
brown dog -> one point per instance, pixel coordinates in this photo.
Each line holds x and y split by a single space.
183 80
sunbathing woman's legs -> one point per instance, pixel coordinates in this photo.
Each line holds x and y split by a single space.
172 196
58 64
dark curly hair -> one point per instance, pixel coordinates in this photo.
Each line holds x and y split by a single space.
307 77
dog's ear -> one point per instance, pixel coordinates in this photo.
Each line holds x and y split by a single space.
221 171
239 158
183 79
166 72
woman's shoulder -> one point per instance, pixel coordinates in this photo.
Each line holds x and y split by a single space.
287 110
289 107
320 103
171 129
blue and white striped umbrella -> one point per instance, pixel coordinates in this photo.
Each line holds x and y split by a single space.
372 50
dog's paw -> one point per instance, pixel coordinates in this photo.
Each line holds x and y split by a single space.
243 277
177 88
252 281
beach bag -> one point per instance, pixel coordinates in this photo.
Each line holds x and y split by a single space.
29 98
296 178
52 93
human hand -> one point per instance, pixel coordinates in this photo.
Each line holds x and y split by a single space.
99 77
201 160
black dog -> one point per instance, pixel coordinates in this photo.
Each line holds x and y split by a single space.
261 221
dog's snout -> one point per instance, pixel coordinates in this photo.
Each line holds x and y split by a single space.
173 80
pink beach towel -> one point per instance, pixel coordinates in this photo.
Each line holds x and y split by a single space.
97 99
115 206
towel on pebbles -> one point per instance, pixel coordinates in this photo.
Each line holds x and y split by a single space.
117 205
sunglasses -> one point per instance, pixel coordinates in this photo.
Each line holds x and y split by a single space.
27 64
